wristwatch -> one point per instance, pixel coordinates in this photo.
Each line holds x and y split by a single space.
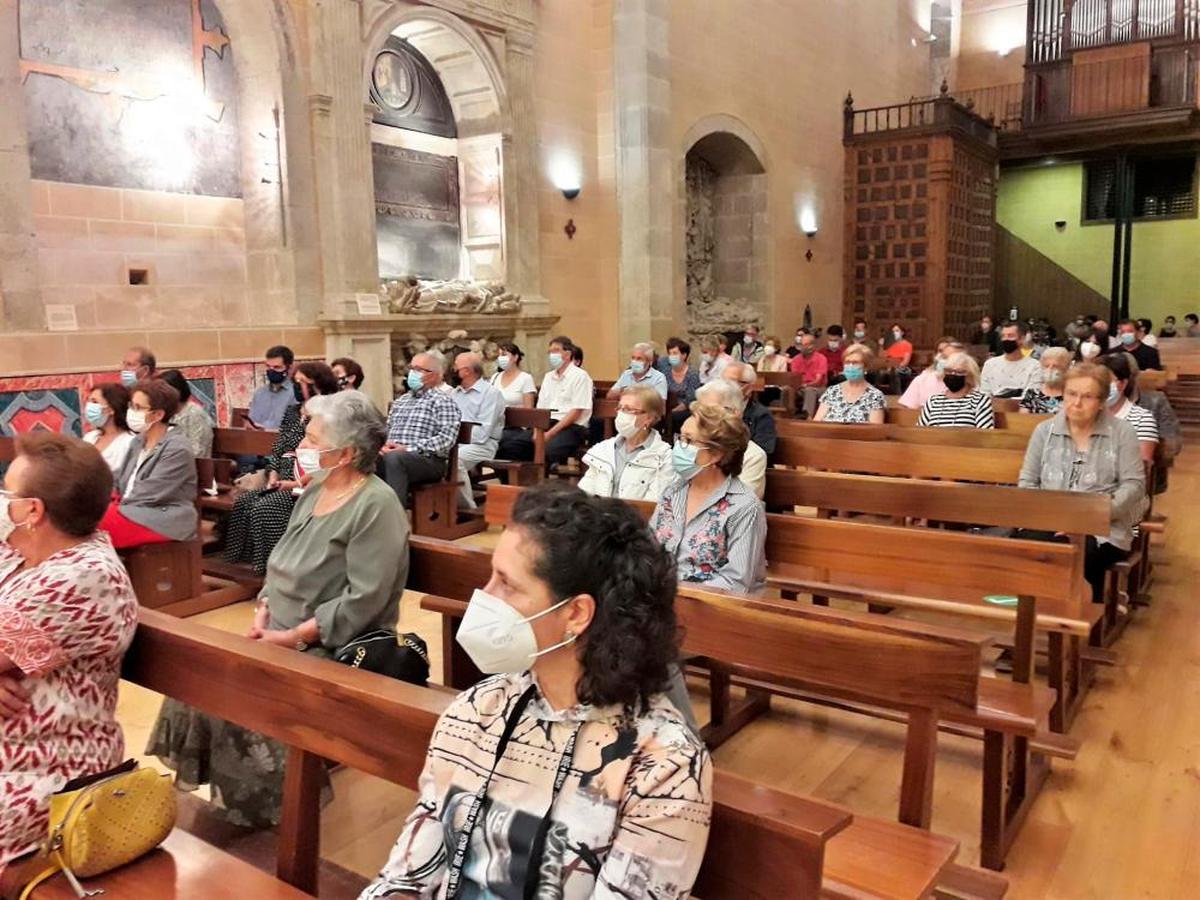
301 646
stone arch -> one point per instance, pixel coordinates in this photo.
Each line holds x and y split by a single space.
726 233
467 61
461 56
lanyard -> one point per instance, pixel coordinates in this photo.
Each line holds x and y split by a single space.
537 847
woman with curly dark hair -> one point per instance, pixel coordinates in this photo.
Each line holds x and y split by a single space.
569 773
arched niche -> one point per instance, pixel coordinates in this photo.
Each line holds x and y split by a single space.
466 64
726 253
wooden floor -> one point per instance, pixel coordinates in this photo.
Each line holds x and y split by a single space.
1122 821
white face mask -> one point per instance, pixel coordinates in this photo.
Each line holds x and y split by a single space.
7 525
136 420
498 638
768 350
309 459
1088 351
626 424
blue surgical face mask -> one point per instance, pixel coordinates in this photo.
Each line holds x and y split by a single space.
415 380
675 361
939 366
859 334
556 360
637 367
503 362
1113 394
1127 338
683 460
95 414
128 377
853 372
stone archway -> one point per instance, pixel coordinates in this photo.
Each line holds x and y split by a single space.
726 234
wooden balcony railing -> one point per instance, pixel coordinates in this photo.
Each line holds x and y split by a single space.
941 112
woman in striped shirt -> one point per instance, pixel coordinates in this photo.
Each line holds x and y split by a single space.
1125 372
962 406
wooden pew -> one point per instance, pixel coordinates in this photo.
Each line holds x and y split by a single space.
762 838
997 439
993 466
435 510
523 472
790 388
1006 416
923 672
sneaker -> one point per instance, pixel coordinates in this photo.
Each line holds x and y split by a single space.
1004 663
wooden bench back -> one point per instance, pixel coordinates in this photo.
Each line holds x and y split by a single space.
1068 512
901 662
946 566
766 837
231 442
1003 414
996 439
903 460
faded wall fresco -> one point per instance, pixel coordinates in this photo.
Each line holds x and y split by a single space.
131 94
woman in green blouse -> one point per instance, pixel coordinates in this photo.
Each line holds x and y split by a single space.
338 572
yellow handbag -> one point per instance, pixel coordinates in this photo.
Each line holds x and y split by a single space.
105 821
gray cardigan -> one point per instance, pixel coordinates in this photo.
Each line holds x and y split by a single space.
163 498
1112 466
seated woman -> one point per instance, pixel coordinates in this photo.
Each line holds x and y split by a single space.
853 401
260 517
962 406
570 764
349 373
929 382
109 433
1125 372
155 496
636 464
67 615
711 523
1046 397
1084 449
191 420
511 380
336 574
683 379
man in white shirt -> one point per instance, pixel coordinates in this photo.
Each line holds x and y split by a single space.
1009 374
567 393
641 371
483 404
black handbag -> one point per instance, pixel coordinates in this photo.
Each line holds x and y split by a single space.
384 652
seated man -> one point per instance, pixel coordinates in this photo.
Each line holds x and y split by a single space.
271 400
138 364
567 393
728 395
813 369
641 371
1132 343
756 416
422 427
1009 374
482 403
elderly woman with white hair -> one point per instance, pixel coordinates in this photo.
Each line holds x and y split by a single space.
641 372
336 574
1046 397
726 394
963 405
636 464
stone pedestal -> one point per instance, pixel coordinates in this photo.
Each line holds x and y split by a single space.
368 339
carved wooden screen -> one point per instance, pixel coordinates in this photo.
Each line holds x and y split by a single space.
970 219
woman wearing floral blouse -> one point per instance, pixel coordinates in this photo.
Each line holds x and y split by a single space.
568 774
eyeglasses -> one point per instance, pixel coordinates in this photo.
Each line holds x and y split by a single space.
1076 395
694 442
419 370
631 411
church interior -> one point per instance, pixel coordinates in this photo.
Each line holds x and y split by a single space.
910 286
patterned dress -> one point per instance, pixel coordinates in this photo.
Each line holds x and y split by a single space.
631 819
65 624
260 518
842 411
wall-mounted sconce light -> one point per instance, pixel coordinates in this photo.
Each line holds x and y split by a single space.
1060 224
808 222
570 193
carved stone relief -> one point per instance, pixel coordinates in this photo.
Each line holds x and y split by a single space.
417 296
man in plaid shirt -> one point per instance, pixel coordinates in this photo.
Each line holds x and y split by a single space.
422 427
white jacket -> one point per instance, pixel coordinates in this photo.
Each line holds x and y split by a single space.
754 469
644 477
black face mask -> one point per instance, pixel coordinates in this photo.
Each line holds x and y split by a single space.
298 390
276 377
954 383
1009 346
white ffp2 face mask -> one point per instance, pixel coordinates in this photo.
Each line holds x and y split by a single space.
7 525
626 425
498 638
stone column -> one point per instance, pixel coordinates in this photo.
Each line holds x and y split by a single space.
20 293
519 155
345 184
645 188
